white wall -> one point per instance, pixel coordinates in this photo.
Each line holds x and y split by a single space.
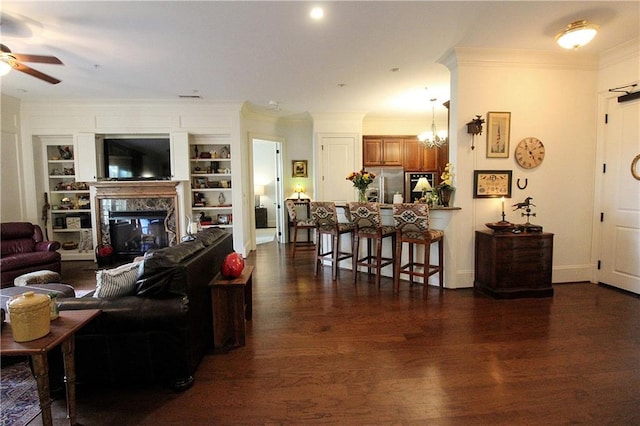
552 98
12 193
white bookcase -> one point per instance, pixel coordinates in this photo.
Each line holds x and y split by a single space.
69 216
211 182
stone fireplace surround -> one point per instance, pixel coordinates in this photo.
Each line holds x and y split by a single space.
135 196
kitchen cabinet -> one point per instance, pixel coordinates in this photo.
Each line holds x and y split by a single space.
509 265
419 158
378 151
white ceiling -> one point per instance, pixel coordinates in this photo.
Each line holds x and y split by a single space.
272 51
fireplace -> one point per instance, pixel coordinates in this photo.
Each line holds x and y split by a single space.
133 233
137 211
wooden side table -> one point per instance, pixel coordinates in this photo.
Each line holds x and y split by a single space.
232 305
261 217
511 265
62 333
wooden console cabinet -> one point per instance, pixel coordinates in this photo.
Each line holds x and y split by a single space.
511 265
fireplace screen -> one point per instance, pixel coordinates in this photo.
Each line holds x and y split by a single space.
133 233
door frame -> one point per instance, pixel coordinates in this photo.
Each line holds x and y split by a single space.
280 219
604 101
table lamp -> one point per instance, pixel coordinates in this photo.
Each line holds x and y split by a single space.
422 186
258 191
298 189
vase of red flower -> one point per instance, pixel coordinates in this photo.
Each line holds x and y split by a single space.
104 254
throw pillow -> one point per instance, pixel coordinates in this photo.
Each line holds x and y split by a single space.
117 282
38 277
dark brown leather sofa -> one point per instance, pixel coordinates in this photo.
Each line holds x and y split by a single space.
161 333
23 249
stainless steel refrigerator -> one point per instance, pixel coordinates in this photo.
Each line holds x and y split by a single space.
388 181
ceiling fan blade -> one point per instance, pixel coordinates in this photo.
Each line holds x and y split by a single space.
4 48
35 73
37 58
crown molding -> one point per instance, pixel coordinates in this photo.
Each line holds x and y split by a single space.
516 58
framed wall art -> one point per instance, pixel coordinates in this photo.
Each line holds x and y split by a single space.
498 130
299 168
492 183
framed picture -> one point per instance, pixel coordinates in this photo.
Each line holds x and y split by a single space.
492 183
498 130
299 168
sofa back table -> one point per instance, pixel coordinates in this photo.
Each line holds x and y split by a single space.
232 305
62 333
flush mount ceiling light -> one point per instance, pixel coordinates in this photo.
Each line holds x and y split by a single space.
577 34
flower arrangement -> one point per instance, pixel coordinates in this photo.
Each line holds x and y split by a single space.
446 179
361 179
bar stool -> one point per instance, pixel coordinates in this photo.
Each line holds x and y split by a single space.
297 225
325 216
368 224
412 227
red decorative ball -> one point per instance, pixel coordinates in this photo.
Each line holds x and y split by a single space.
232 265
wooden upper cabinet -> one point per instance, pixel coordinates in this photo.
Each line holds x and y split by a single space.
419 158
382 152
371 152
404 151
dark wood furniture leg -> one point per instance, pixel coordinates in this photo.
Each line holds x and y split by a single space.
41 373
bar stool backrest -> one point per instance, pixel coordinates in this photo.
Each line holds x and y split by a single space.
365 215
291 208
324 213
411 217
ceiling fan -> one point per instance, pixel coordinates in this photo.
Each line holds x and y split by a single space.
9 60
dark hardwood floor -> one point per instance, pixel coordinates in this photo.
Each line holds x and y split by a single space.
333 353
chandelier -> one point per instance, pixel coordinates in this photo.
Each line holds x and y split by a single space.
433 138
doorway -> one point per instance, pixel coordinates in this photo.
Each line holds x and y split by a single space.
268 190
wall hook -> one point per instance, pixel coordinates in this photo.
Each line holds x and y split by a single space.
526 182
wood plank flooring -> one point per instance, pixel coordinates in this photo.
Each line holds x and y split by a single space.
323 352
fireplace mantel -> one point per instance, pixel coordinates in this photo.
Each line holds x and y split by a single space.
145 194
136 189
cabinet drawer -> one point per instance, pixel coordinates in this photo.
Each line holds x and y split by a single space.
509 243
527 255
521 281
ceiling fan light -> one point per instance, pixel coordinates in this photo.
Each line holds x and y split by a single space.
4 67
576 35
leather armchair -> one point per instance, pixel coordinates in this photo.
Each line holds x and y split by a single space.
23 249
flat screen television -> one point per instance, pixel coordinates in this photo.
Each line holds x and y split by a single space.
137 159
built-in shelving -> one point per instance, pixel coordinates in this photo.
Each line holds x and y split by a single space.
69 213
211 184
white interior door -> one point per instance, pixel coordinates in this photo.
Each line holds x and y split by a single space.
620 238
337 156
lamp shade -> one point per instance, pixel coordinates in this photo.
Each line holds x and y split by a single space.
422 185
258 190
577 34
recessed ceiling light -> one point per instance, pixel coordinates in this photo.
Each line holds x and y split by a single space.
317 13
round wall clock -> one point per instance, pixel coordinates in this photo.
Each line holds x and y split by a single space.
529 153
